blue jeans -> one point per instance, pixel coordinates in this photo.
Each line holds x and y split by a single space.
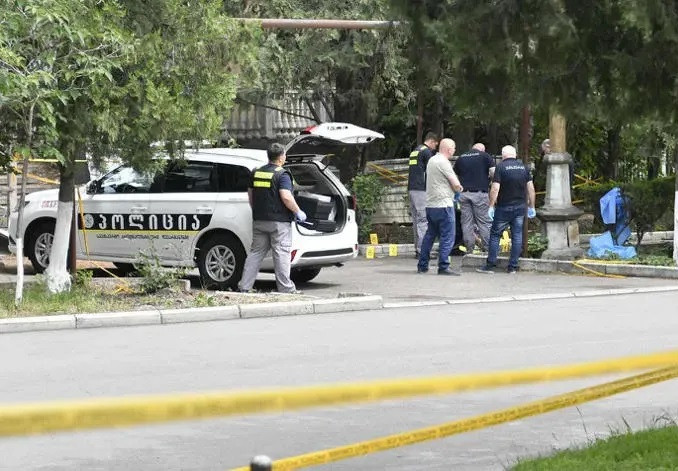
505 216
441 225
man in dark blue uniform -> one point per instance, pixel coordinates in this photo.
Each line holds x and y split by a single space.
511 188
416 187
273 210
474 169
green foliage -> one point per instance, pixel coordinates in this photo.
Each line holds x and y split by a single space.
648 450
648 201
155 277
536 244
368 190
83 278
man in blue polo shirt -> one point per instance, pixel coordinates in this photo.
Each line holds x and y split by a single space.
511 188
474 169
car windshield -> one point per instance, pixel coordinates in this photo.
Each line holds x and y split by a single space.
125 180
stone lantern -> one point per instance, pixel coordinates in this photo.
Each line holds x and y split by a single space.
558 214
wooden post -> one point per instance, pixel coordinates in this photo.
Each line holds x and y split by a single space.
524 146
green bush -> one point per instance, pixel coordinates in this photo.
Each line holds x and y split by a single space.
536 244
154 276
368 190
647 201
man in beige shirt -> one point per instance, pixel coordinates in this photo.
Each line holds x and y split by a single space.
441 184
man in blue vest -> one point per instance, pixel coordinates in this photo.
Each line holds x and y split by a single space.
416 187
273 210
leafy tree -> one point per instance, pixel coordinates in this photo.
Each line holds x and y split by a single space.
111 78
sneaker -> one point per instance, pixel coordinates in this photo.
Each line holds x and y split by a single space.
449 272
487 269
512 270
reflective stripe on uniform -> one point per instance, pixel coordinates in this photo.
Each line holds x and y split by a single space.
258 184
263 175
413 161
414 153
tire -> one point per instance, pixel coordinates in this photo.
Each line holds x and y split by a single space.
221 259
304 275
125 269
39 245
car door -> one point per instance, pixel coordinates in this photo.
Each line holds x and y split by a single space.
114 212
182 207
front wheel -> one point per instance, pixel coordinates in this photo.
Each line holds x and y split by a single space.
39 245
304 275
220 261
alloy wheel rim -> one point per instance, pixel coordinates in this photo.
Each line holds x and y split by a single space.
220 263
43 247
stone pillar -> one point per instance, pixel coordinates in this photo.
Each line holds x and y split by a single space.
558 214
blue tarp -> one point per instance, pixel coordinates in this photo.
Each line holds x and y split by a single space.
616 217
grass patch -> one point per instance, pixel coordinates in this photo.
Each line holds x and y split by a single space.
654 449
90 295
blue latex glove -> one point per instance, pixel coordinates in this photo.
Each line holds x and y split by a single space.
457 196
490 213
300 216
531 212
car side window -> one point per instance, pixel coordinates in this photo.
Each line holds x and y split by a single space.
125 180
190 177
233 178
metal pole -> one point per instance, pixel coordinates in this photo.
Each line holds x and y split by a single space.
293 23
261 463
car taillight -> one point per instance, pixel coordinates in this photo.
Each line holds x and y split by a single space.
308 130
292 255
352 202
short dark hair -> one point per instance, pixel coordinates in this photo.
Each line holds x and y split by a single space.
431 136
274 151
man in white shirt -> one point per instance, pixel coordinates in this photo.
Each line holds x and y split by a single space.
441 184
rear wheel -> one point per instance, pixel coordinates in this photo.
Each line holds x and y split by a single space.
39 245
304 275
220 261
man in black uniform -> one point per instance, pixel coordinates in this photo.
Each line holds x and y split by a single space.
474 169
273 210
511 187
416 187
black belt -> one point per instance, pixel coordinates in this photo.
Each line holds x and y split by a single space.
474 191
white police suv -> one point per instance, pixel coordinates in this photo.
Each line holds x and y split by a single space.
196 212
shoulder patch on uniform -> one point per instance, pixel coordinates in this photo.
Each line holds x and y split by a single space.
279 169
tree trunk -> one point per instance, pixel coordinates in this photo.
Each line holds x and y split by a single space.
57 276
675 209
610 166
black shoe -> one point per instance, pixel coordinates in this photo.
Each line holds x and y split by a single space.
512 270
421 272
487 269
448 272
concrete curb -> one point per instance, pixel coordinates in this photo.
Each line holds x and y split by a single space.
550 266
205 314
535 297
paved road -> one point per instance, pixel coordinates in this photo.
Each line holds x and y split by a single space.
332 348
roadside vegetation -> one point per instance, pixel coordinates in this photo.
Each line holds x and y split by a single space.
88 295
655 449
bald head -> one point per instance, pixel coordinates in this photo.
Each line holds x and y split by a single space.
447 147
508 152
479 147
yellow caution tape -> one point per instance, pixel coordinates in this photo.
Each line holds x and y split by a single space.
105 413
38 178
473 423
596 272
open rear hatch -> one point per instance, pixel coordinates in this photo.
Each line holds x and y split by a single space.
318 192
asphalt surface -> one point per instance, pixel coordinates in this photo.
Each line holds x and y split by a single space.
391 343
397 281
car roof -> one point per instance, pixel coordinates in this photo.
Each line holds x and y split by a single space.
239 156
